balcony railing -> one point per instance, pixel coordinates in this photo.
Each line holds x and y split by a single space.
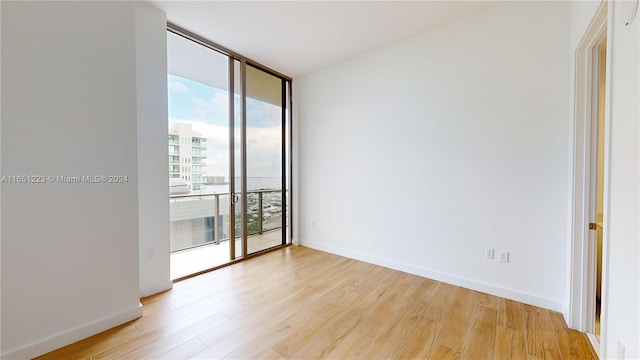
202 219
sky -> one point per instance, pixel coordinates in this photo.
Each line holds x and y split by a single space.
206 109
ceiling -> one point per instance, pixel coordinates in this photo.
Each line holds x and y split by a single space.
296 38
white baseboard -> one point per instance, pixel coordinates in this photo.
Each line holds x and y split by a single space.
70 336
156 288
566 313
543 302
595 342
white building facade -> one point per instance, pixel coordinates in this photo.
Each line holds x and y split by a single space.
187 155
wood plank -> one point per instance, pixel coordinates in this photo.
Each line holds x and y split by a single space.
540 337
441 352
275 311
326 341
157 342
426 290
392 334
487 300
228 337
441 302
572 344
480 340
419 341
387 306
234 328
378 294
270 355
352 347
510 344
327 305
373 278
328 314
510 314
177 320
253 348
456 324
184 351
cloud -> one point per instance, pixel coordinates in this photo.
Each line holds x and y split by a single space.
263 114
215 109
263 148
178 86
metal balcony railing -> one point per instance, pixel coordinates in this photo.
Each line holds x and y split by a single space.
202 219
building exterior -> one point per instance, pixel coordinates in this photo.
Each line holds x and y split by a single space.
214 180
187 155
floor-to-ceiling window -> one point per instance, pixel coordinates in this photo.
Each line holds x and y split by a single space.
228 165
265 157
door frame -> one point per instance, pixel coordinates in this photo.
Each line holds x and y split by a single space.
582 302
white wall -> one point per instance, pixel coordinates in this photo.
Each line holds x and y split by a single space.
73 86
153 189
582 13
622 287
421 154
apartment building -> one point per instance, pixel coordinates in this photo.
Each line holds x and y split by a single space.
187 155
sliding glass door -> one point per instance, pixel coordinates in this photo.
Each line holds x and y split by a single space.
228 155
199 156
265 149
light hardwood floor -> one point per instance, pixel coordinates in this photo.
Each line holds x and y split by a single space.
298 303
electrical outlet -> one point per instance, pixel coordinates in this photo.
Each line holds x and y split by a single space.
488 254
504 256
150 253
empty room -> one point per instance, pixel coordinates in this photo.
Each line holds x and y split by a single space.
320 179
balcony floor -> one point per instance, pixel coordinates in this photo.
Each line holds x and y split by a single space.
187 262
